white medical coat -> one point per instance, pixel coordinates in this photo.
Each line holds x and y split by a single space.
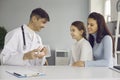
13 51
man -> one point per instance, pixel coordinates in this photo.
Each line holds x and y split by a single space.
22 45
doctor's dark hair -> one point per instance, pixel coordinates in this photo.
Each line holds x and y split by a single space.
102 29
80 26
40 13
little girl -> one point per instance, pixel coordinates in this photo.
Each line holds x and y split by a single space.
81 50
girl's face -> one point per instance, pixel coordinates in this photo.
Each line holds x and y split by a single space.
92 26
76 33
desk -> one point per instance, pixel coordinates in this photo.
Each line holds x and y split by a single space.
63 73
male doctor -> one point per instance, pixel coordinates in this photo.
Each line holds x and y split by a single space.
22 45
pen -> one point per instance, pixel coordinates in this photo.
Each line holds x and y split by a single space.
17 74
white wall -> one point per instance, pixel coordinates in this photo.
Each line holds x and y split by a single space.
14 13
113 10
97 6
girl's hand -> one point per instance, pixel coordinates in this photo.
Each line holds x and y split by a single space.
79 64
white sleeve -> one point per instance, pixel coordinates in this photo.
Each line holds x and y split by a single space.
86 52
10 54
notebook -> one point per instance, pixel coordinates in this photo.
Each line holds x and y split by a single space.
116 68
25 73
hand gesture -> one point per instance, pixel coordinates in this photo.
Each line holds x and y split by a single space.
30 55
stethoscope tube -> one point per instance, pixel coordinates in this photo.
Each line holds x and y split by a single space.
23 34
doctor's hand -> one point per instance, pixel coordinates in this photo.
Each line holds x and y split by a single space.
42 52
30 55
79 64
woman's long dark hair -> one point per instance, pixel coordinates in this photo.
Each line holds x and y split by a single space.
102 29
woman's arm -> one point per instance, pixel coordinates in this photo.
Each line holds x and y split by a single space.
107 59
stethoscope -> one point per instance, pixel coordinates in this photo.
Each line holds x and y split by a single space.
23 34
24 41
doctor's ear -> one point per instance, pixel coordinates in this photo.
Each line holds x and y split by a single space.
34 19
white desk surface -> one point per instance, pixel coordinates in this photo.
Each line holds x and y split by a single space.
63 73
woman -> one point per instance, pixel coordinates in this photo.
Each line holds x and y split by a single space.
82 50
101 41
